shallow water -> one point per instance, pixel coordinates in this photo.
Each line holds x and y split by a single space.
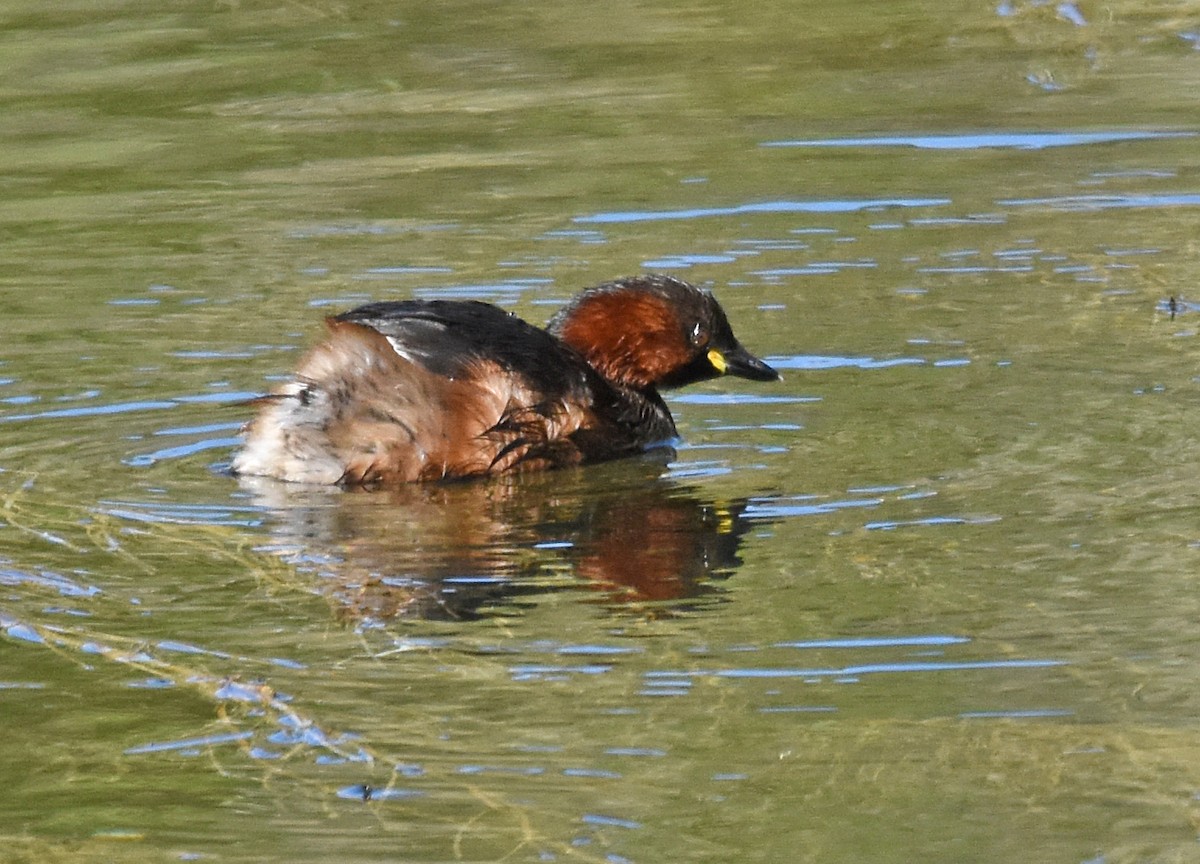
926 599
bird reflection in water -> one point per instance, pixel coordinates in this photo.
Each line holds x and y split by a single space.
467 550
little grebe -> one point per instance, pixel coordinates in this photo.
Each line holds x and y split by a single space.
439 389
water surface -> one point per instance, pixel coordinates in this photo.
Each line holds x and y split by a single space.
928 598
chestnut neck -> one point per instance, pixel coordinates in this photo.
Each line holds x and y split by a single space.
632 338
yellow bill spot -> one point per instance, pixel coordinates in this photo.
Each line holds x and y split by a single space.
717 359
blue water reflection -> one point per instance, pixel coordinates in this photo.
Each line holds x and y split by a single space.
812 206
977 141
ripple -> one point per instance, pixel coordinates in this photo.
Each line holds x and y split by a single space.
186 648
931 520
547 672
1070 12
977 269
980 141
598 650
363 792
519 770
189 743
113 408
591 773
1019 714
610 821
181 514
583 236
739 399
46 579
777 510
816 362
813 206
1107 202
402 270
878 642
682 262
652 752
817 267
144 460
911 667
200 430
17 630
494 292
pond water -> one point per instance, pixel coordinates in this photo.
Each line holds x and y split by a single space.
931 597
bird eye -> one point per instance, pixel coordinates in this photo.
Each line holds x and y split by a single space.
699 335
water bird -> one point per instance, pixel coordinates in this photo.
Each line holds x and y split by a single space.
427 390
